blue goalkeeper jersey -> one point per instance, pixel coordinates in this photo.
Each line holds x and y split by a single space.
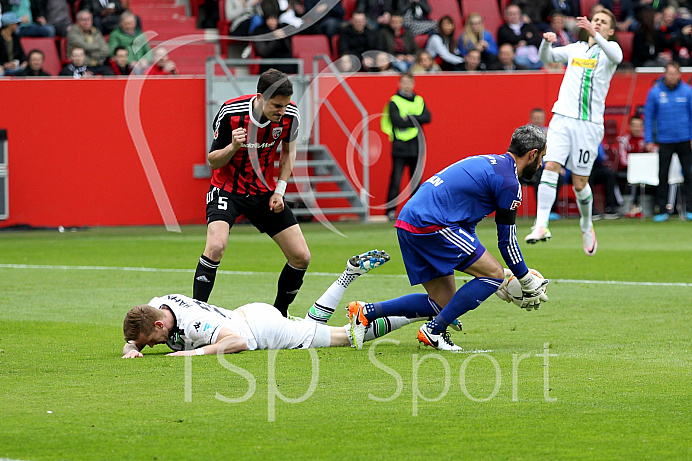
463 194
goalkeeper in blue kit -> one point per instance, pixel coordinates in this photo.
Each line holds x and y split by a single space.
437 235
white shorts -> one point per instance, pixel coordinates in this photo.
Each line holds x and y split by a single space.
271 330
573 143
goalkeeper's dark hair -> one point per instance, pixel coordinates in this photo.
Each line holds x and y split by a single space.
274 83
526 138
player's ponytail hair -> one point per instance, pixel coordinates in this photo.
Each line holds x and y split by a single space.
140 319
525 139
274 83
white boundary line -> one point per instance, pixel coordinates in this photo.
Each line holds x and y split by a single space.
317 274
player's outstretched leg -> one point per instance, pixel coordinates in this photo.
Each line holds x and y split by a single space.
585 205
547 193
356 265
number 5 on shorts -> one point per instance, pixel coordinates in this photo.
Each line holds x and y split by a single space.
223 204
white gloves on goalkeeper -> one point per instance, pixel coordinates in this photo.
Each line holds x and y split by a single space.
533 290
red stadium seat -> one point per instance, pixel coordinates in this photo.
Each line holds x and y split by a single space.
625 39
586 7
421 40
441 8
52 63
306 47
349 7
492 19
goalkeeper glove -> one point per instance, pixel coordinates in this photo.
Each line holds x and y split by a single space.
533 291
502 292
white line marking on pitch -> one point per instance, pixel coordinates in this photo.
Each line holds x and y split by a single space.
318 274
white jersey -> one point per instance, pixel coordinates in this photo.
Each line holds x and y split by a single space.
587 79
197 323
261 325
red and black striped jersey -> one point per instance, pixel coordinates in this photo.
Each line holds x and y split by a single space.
251 169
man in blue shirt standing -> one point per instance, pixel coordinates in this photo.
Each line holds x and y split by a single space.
668 114
437 235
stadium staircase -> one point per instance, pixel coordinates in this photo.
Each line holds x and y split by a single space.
319 183
168 20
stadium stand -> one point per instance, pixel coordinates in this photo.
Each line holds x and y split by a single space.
349 6
447 8
52 63
306 47
625 39
586 7
490 11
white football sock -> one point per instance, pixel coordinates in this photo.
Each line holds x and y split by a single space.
324 307
585 204
547 193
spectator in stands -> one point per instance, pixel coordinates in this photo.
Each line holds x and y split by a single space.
557 25
310 10
401 120
131 38
624 14
397 41
524 37
473 62
506 59
240 14
120 61
35 67
33 18
416 16
475 37
424 64
673 38
536 12
383 63
442 44
12 55
605 172
569 9
645 53
668 123
631 142
84 35
58 16
357 37
279 48
77 67
161 64
377 12
106 13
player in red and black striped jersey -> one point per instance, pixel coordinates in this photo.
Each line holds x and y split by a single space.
247 133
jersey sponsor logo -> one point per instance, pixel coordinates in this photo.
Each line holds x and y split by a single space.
585 63
435 180
258 145
515 204
276 132
216 134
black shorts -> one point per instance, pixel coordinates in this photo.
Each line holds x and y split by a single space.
224 206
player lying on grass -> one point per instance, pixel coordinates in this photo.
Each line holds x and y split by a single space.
192 327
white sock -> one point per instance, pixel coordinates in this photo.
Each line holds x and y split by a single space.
547 192
585 204
325 306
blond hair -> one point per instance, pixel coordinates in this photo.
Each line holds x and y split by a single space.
140 319
470 39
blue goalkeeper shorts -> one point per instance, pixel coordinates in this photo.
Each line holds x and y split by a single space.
439 253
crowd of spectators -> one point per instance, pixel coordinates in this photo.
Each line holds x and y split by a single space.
105 39
657 31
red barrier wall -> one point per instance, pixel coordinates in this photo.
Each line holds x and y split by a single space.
73 160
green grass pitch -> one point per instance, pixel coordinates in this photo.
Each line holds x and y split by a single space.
602 371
